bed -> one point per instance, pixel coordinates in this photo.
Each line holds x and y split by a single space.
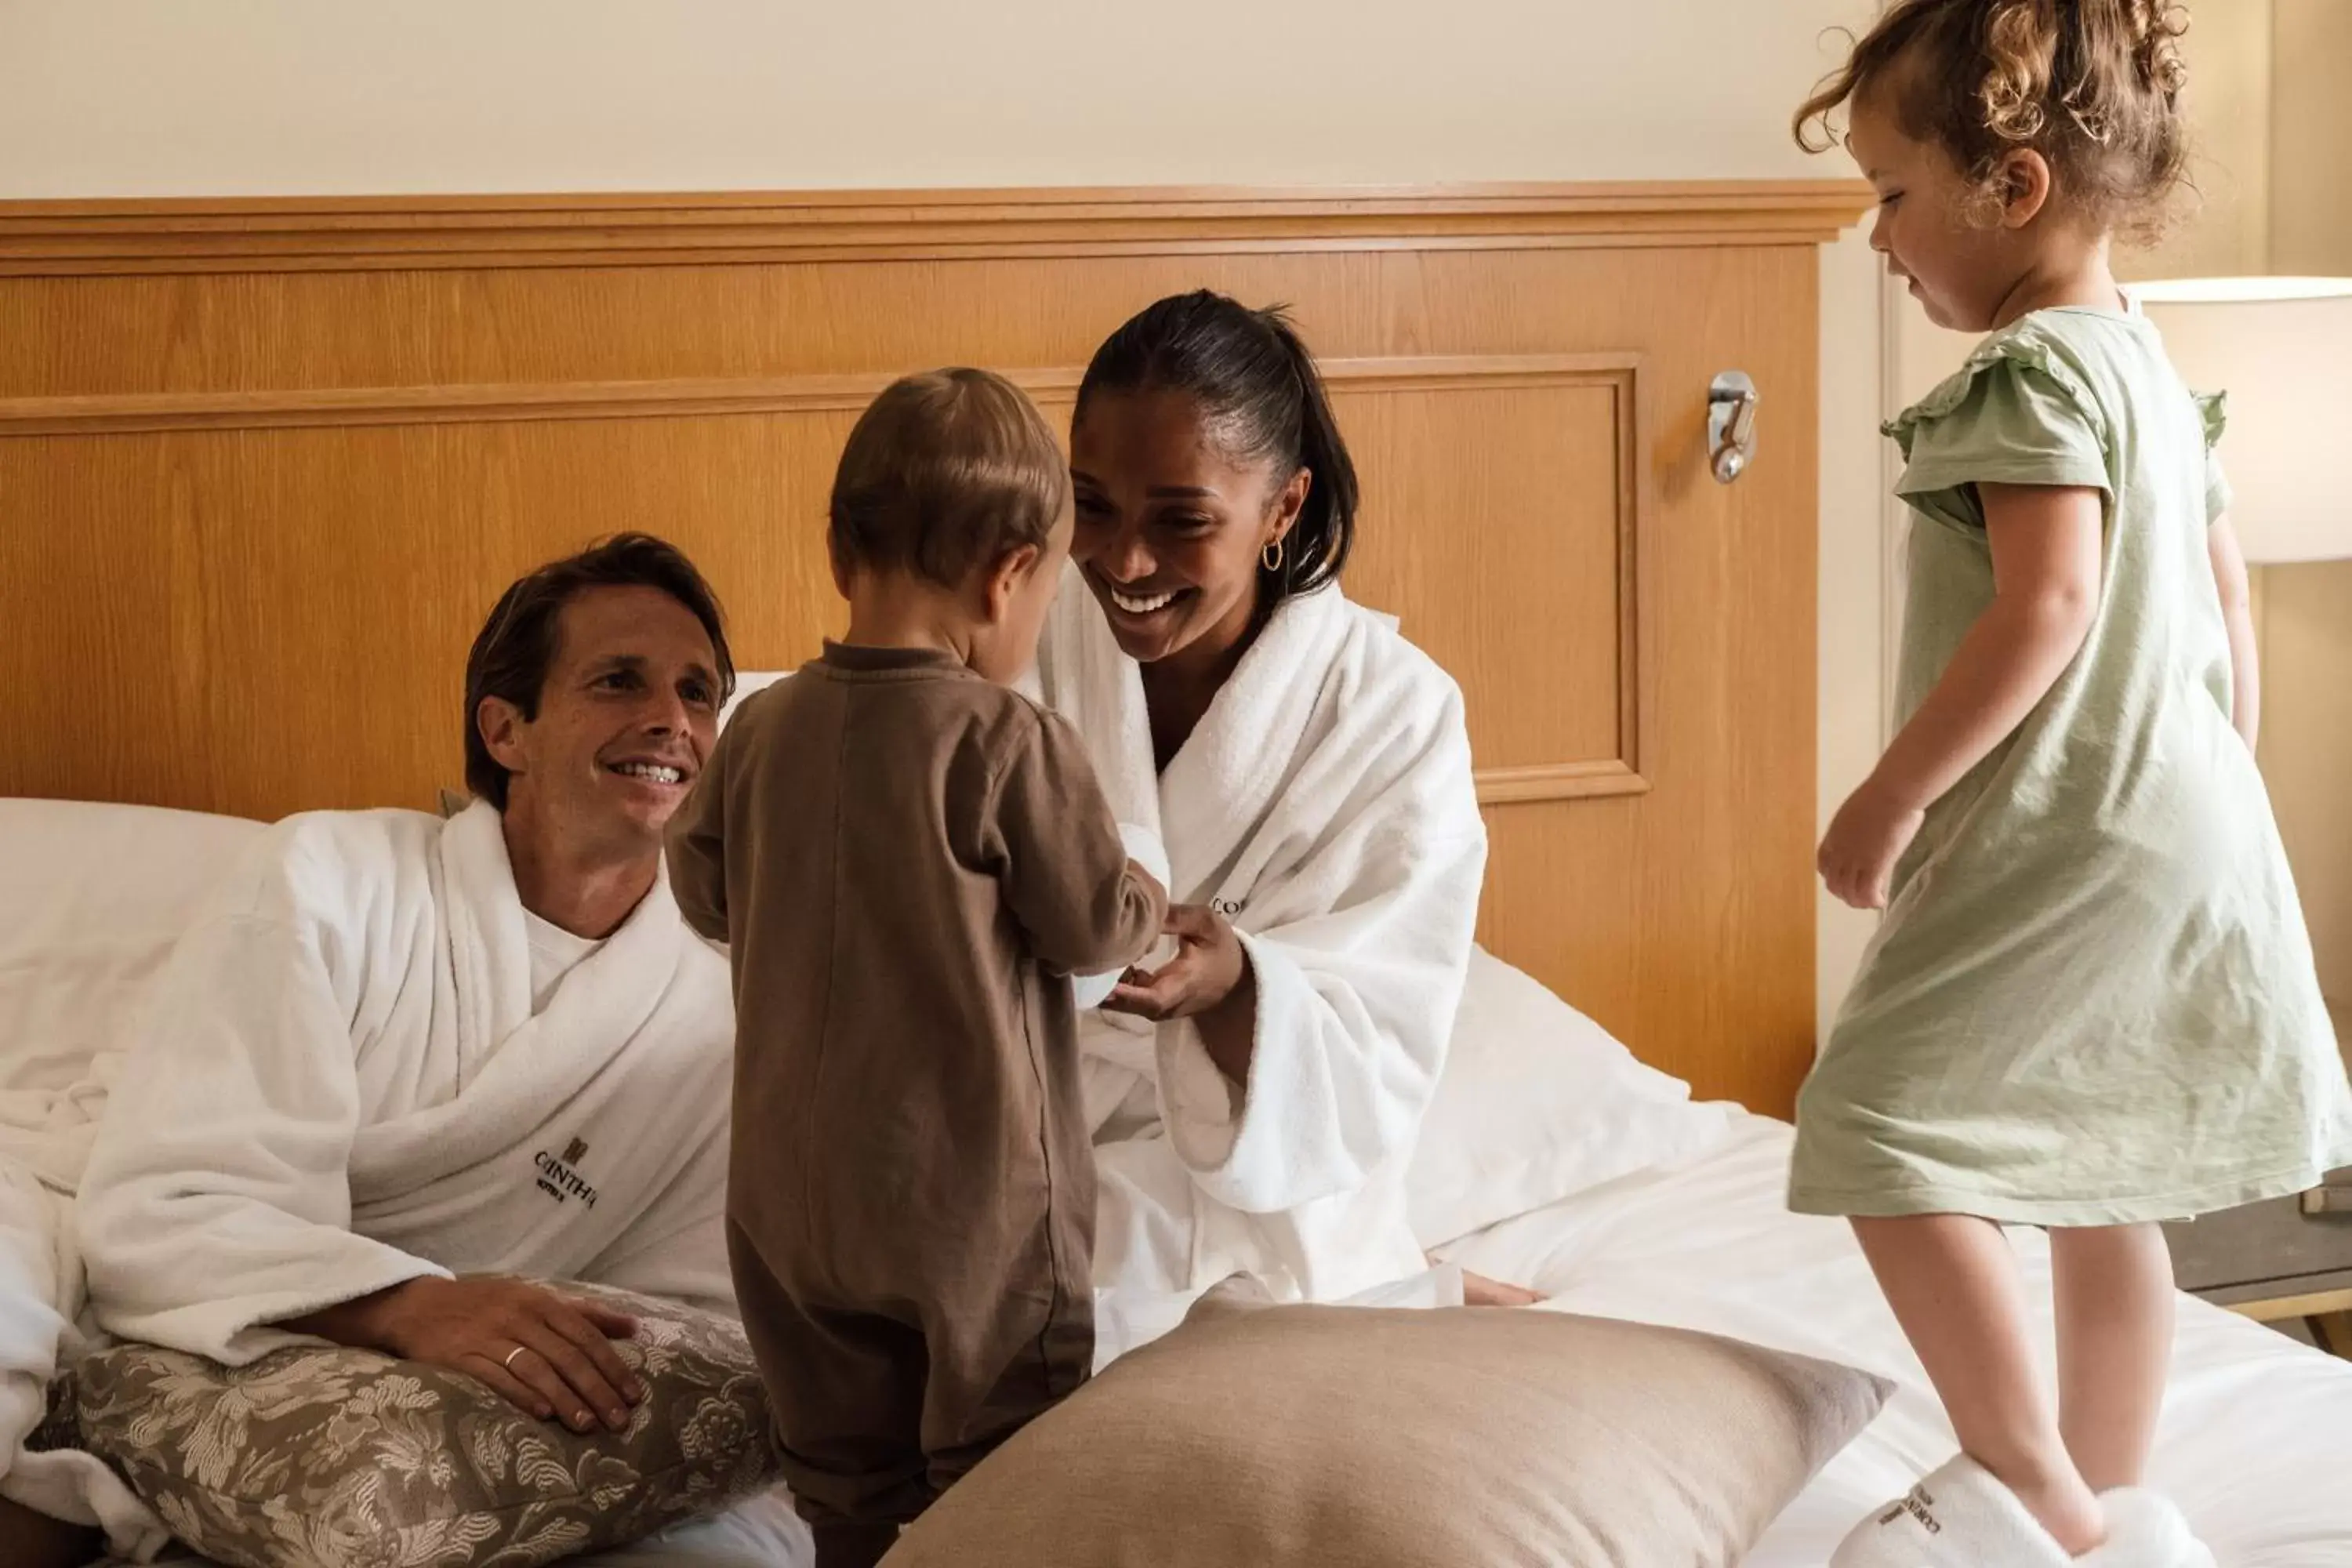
268 457
1626 1199
2253 1433
1677 1218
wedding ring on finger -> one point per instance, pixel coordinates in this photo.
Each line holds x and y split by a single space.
509 1363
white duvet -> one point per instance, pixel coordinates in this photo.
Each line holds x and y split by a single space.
2255 1437
2256 1434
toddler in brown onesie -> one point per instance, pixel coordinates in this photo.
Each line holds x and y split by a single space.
906 859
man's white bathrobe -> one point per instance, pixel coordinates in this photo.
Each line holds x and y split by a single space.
1324 806
342 1086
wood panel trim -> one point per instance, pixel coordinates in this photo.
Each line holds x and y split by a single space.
456 404
686 397
1559 780
666 397
368 233
1587 778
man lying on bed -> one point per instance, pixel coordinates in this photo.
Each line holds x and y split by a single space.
399 1050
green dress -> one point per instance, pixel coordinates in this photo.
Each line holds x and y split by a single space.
2092 999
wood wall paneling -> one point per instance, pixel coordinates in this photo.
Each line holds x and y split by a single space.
112 239
263 466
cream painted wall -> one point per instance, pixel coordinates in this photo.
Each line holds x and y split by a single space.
152 97
158 96
2311 129
2306 749
2306 610
2225 226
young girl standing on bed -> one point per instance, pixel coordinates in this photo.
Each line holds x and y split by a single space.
2091 1006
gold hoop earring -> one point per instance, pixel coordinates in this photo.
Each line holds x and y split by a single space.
1271 556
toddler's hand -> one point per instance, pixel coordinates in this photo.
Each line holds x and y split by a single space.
1865 840
1208 964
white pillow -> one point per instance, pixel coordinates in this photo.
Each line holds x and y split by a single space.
1537 1102
96 896
747 681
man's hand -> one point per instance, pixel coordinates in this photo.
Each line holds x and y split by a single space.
549 1354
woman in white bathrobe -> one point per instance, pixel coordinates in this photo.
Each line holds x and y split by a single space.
1256 1089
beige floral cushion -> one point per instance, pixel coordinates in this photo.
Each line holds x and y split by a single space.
318 1457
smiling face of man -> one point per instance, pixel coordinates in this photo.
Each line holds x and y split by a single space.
625 717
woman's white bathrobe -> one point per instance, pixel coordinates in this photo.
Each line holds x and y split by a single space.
1324 806
342 1086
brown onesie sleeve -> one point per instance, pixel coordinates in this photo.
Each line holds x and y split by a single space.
1083 904
695 843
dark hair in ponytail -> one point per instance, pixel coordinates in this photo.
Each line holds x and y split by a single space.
1261 393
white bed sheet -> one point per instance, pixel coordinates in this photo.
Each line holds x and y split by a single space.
2256 1432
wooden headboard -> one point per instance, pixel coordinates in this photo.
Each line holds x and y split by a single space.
265 464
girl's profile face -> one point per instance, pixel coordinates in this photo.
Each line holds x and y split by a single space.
1959 272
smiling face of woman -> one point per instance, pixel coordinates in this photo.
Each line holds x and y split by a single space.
1171 526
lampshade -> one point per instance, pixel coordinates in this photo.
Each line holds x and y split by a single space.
2282 349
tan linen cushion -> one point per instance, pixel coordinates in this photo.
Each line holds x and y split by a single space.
317 1456
1258 1437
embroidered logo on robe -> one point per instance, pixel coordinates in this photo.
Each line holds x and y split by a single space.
1916 1504
559 1180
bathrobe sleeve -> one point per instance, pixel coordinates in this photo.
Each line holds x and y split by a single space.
1358 932
217 1197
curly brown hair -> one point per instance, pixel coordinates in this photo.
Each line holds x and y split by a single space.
2093 86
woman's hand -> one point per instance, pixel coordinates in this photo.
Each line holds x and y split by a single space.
547 1353
1208 981
1865 840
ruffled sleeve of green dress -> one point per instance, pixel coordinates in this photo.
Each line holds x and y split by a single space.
2213 407
2015 413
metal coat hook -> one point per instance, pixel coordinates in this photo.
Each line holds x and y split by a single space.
1730 425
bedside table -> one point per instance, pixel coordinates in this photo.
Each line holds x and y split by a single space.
2287 1262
